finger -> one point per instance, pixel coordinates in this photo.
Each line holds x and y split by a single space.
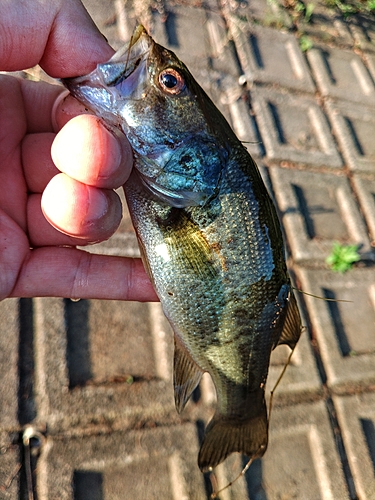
12 129
75 45
68 272
60 35
81 211
14 248
38 166
36 104
87 151
65 108
41 233
38 99
76 151
46 107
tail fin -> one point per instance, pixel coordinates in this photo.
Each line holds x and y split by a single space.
227 435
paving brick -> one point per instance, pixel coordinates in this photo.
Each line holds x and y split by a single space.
123 20
96 364
242 122
9 467
316 210
9 337
294 128
270 56
301 460
354 126
365 190
370 60
356 416
363 29
341 74
219 48
151 463
325 25
344 330
268 13
184 33
199 39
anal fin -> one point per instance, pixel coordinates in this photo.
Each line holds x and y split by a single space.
292 327
186 375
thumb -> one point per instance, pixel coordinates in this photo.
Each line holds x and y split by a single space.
75 45
60 35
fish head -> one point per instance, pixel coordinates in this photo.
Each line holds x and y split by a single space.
180 140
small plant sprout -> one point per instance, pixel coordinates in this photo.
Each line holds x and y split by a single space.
353 7
342 257
305 43
308 12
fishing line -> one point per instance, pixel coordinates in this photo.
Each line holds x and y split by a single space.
242 473
321 298
131 43
278 382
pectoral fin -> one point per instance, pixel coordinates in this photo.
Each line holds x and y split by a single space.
186 376
292 324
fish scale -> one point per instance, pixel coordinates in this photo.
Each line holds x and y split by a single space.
208 233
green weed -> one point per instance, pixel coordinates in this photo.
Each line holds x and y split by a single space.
342 257
305 43
301 10
352 7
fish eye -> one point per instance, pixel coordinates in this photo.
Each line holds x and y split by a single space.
171 81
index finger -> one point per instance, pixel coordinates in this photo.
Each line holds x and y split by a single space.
69 272
59 35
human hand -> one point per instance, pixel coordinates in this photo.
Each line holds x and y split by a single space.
36 259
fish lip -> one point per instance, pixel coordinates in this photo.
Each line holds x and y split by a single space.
126 62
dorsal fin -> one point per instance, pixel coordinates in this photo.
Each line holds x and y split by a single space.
292 324
186 375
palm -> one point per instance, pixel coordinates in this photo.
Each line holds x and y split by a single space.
35 258
13 186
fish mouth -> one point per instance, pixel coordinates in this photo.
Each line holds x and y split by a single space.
122 77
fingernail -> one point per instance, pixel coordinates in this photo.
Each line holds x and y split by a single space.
64 109
114 152
63 95
122 157
98 205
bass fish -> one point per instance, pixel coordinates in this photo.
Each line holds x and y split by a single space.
209 236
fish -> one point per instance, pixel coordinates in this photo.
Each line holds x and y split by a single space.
209 236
